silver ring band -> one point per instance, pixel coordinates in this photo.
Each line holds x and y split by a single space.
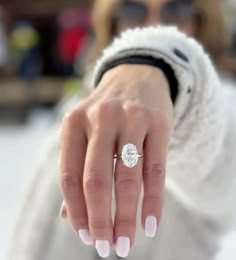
120 156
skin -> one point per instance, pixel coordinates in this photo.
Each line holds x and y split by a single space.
131 104
129 108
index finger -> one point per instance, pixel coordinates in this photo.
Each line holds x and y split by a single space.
73 151
98 175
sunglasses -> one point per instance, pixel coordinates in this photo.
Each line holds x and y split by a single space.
173 12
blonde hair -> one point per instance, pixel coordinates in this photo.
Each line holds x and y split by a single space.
210 28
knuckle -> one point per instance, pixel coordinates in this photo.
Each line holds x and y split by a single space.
68 122
110 105
136 110
154 172
128 185
104 110
136 115
99 224
69 183
78 221
154 118
126 222
72 118
96 185
78 218
153 199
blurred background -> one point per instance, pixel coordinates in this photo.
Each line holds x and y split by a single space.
43 49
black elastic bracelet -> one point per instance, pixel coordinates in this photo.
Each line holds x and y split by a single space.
146 60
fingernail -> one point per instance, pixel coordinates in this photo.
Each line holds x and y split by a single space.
122 246
103 247
150 226
85 237
63 210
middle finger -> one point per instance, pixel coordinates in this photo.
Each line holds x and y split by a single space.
98 189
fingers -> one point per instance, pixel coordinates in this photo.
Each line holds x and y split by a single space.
87 174
98 174
155 152
128 182
73 150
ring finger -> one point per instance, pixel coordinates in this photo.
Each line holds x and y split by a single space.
128 182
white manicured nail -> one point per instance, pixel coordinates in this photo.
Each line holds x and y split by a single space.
103 247
85 237
62 209
122 246
150 226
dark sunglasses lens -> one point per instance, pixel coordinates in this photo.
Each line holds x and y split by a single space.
178 11
132 12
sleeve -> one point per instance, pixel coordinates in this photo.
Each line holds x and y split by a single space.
191 64
197 150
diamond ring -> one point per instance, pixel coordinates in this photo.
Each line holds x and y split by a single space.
129 155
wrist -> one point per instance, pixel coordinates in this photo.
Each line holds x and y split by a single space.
138 82
159 64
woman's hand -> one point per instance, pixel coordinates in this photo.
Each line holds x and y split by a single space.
130 105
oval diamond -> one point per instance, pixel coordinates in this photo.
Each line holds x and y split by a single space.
129 155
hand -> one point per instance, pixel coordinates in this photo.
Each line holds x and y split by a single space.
130 105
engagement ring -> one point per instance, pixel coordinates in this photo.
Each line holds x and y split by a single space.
129 155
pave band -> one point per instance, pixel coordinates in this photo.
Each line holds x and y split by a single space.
129 155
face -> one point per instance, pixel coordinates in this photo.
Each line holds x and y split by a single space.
141 13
